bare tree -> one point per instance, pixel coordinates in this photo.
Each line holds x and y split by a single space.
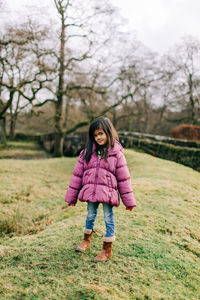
183 76
23 75
81 36
137 76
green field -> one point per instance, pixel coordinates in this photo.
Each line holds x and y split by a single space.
156 254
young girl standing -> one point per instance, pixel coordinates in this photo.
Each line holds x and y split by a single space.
100 175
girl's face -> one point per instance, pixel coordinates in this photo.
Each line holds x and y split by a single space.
100 137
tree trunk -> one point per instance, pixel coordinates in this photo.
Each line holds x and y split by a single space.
12 127
146 114
3 131
58 146
114 117
191 99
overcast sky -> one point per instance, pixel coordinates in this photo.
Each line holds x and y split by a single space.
159 24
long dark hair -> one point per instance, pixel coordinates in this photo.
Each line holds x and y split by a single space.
106 125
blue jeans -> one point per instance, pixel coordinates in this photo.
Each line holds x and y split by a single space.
92 208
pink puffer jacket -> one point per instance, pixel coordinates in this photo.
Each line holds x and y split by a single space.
100 181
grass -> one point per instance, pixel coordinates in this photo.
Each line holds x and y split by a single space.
156 254
22 150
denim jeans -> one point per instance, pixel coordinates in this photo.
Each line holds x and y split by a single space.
92 208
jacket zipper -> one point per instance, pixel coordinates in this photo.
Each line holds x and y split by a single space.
96 175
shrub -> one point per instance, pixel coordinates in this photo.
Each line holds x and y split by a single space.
187 132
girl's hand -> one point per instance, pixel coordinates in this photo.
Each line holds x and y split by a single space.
71 204
130 208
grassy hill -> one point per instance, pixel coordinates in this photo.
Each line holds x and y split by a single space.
156 254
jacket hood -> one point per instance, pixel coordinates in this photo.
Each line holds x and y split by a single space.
116 148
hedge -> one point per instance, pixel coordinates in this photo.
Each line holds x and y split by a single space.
184 155
161 139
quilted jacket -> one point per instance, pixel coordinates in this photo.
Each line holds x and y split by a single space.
100 180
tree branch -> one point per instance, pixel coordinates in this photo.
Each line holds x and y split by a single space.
84 123
42 103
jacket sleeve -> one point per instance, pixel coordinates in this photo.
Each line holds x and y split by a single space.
124 181
75 183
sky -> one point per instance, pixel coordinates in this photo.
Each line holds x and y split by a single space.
159 24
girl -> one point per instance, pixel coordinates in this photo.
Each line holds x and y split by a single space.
100 173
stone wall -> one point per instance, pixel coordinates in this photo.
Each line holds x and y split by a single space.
72 144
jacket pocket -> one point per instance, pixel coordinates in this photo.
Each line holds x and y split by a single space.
82 192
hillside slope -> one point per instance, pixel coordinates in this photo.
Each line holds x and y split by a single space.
156 254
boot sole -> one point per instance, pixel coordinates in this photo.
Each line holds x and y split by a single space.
81 250
78 250
97 260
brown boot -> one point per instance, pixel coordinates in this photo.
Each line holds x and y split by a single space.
106 251
86 240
